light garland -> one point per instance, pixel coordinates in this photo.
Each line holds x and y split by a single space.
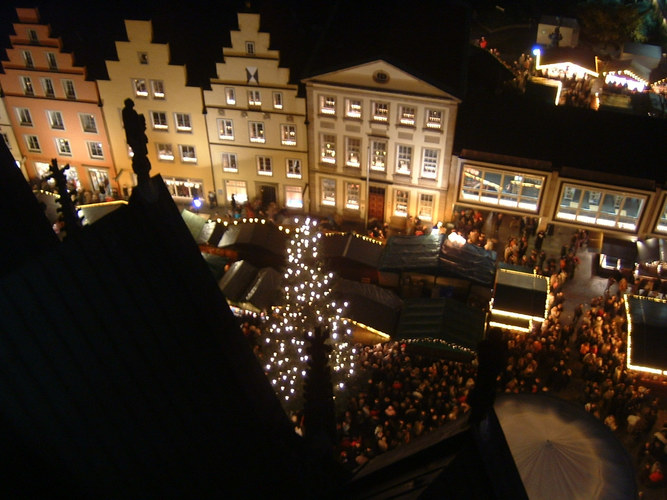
308 305
435 340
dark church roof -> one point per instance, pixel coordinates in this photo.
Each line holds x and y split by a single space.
125 374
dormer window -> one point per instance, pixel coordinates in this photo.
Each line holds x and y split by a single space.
32 36
250 48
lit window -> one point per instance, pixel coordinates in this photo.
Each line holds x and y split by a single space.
293 197
51 61
329 192
226 129
328 148
25 119
88 123
378 155
250 48
603 208
425 206
327 105
56 120
230 96
507 189
661 227
26 83
406 115
257 132
433 119
278 100
157 89
140 88
159 119
430 163
352 192
293 168
165 152
47 85
352 151
288 135
264 165
68 86
380 111
353 108
95 150
230 162
237 189
99 179
403 159
183 188
183 123
401 203
63 147
27 58
33 143
254 98
188 154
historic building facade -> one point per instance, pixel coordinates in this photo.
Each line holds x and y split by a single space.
256 124
54 111
380 145
8 136
175 125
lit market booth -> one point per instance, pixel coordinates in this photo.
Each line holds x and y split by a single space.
519 299
647 342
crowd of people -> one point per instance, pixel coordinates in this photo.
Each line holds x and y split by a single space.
398 395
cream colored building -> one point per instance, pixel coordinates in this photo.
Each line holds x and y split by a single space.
54 110
380 145
175 125
256 124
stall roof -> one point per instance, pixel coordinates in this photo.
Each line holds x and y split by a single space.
237 280
411 253
370 305
351 247
441 323
647 343
261 243
520 292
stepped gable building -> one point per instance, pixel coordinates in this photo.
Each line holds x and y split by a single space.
599 170
125 374
54 110
382 117
256 123
9 138
175 123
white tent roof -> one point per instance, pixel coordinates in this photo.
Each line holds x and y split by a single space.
561 451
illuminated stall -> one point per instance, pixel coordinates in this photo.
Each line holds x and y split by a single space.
519 299
647 342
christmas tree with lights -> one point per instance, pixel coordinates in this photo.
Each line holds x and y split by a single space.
308 308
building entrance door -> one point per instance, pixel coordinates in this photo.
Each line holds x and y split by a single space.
268 194
376 204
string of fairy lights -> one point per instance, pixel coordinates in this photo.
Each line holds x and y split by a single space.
307 305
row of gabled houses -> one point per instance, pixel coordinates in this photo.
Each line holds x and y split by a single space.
370 138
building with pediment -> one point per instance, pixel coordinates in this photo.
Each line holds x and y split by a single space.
256 123
381 144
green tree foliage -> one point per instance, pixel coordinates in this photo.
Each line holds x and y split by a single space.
609 22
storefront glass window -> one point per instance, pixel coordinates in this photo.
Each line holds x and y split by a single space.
507 189
600 208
